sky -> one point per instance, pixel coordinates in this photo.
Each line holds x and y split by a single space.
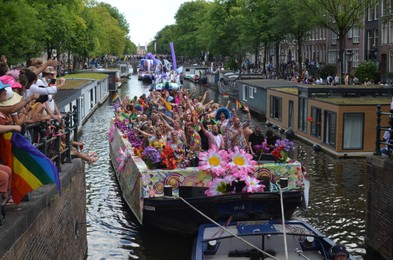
147 17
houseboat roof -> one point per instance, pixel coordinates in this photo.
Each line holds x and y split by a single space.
88 75
265 83
71 87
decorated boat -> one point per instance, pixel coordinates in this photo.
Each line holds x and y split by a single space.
269 239
163 197
167 85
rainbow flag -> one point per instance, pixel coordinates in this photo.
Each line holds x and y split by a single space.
238 104
115 98
225 96
30 168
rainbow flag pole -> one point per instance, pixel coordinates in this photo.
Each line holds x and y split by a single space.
225 96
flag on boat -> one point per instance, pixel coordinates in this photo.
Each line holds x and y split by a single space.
238 104
30 168
115 98
225 96
167 104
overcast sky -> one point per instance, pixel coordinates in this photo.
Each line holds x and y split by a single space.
147 17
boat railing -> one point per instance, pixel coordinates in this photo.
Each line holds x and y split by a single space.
47 137
380 141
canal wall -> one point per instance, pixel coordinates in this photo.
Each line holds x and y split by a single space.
50 225
379 212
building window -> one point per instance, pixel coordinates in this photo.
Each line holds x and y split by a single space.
375 34
275 107
390 60
330 128
355 58
332 57
349 34
369 40
302 114
316 119
391 31
353 130
370 14
384 33
334 38
376 11
245 92
356 35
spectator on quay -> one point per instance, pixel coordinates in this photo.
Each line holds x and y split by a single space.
387 137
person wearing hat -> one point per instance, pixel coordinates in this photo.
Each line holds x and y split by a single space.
338 252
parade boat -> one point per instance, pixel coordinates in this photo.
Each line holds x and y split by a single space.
173 199
269 239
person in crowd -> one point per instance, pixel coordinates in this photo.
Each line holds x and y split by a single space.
75 153
235 135
214 137
387 137
271 139
207 124
193 140
256 139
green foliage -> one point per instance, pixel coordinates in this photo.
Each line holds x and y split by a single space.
367 70
327 70
231 65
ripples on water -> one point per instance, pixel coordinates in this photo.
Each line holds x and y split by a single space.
337 198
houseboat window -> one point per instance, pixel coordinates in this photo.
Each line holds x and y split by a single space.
290 114
316 117
275 107
353 130
245 92
91 98
302 114
82 106
330 128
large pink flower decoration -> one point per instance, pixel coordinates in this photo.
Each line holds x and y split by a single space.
213 160
252 184
219 186
241 162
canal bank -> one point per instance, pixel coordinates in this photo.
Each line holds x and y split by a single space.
50 225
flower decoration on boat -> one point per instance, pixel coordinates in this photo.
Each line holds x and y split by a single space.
214 161
111 132
241 162
231 171
123 158
151 157
168 157
282 147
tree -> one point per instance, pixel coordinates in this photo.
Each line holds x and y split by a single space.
339 16
20 31
163 38
296 22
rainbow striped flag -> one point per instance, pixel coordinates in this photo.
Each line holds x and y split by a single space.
238 104
225 96
30 168
115 98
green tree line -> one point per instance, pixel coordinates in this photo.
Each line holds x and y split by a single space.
79 27
233 28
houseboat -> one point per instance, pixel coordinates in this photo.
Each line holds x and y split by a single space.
85 92
172 199
337 119
125 70
253 91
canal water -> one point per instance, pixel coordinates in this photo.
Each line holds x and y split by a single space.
337 197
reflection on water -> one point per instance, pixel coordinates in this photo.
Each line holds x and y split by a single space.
337 197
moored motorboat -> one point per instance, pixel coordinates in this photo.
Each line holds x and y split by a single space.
269 239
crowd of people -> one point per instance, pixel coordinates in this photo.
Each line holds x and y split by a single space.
191 124
27 95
